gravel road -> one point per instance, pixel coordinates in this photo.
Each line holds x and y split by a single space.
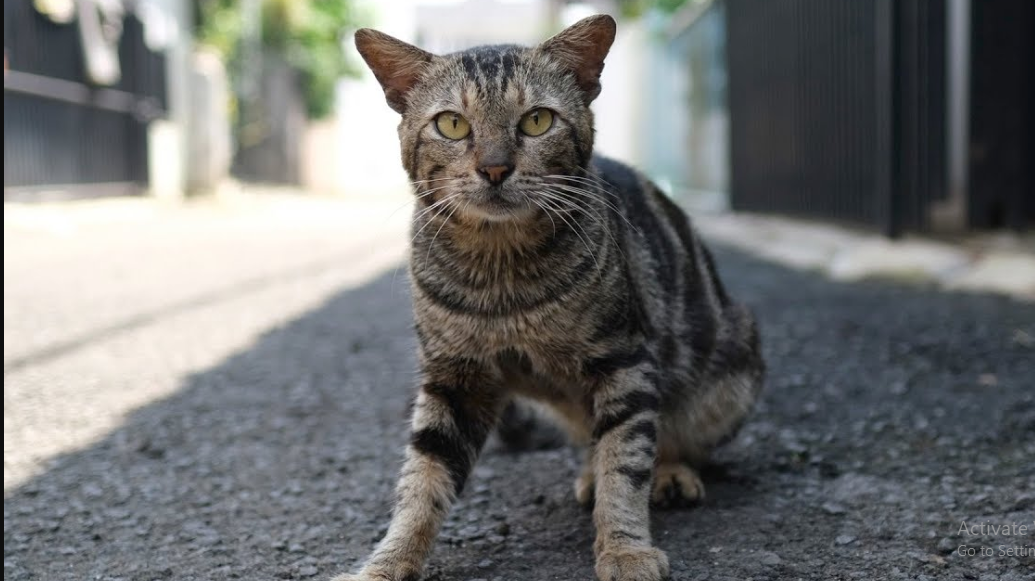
893 414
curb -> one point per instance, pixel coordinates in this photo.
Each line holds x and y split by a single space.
849 255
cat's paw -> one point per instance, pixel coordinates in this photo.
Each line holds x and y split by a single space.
377 575
676 484
584 485
632 564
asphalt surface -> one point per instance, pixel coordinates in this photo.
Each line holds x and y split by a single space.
893 414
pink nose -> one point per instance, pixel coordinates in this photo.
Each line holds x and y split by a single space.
496 173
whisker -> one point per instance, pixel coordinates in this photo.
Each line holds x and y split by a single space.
547 212
576 232
427 256
560 196
444 203
603 186
593 176
432 180
418 195
430 208
590 194
583 183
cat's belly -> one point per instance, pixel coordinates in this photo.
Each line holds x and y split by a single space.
564 398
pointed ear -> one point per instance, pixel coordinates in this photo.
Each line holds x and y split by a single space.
581 48
396 65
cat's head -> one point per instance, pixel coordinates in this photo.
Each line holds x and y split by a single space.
489 125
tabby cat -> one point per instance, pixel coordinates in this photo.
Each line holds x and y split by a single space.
542 272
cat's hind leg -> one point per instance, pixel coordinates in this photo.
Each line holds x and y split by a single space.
711 411
690 433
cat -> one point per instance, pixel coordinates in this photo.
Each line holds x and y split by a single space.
540 271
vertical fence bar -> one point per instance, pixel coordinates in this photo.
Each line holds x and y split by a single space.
887 96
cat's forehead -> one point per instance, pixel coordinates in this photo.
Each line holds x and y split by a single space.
491 63
492 78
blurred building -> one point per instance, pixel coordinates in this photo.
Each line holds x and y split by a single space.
892 114
898 115
94 99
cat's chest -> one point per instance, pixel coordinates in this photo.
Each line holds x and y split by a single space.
541 332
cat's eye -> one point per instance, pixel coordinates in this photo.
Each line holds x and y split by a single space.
452 125
536 122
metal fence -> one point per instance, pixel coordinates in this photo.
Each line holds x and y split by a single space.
1002 115
837 109
59 130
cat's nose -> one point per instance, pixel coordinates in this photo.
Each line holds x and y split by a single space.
496 173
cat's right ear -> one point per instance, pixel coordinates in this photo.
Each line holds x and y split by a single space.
396 64
581 48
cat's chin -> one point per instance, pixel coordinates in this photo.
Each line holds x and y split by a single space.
496 211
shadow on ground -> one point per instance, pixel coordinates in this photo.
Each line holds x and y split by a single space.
892 414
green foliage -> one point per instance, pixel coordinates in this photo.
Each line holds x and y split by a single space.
636 8
308 34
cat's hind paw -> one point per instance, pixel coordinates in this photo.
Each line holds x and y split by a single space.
584 486
676 485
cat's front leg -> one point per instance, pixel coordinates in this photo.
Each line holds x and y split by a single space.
455 410
625 432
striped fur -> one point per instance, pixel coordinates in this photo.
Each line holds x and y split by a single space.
575 283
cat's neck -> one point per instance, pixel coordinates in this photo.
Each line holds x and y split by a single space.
477 236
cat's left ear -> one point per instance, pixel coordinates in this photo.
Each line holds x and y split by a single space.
396 64
581 48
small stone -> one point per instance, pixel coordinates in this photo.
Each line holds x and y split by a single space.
946 546
308 571
769 558
484 472
208 540
844 539
1023 339
485 564
470 533
295 548
833 508
92 491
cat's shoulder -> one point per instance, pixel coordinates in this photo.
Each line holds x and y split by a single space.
618 174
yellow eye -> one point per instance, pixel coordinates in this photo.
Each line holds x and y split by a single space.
452 125
536 122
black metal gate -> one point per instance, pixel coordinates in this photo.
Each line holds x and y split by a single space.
1002 113
59 130
837 109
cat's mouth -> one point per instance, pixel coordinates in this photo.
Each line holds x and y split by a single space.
499 206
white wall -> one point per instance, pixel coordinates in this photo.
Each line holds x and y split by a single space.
619 110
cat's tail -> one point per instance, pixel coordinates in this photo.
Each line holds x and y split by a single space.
524 427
